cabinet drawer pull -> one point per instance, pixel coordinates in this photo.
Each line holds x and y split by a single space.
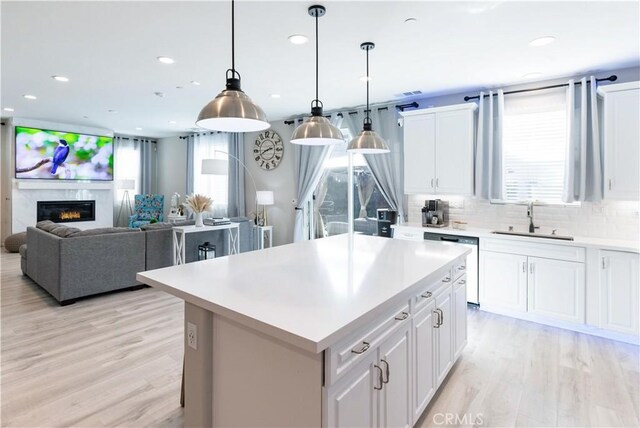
436 314
363 348
447 279
463 267
379 378
403 316
426 295
386 370
462 281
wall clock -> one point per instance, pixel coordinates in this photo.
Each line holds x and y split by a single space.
268 150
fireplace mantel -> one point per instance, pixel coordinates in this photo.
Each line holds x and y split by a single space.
63 185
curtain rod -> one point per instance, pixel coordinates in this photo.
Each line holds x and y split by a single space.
292 121
184 137
136 139
611 78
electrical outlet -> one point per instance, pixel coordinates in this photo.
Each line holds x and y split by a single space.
192 336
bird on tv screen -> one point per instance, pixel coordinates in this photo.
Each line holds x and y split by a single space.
57 155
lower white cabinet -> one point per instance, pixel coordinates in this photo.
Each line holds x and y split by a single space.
503 280
423 358
619 292
443 338
395 395
460 310
556 289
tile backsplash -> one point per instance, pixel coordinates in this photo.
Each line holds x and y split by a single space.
616 220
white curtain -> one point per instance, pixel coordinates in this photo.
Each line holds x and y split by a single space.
309 161
127 168
489 171
210 146
583 167
366 185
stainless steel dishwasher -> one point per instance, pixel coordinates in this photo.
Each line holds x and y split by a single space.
472 260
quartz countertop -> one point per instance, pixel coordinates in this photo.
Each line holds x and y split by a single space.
309 294
578 241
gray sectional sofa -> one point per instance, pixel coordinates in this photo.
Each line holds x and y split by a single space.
70 263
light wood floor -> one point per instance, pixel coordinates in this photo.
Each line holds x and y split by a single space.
116 360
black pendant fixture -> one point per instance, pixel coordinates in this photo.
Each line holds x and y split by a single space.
317 130
367 141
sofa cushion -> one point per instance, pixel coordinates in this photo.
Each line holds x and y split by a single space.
156 226
46 225
59 230
102 231
23 250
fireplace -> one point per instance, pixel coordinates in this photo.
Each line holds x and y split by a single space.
66 211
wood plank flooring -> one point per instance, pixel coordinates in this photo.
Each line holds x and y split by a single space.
116 360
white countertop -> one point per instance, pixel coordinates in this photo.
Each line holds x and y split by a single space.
578 241
309 294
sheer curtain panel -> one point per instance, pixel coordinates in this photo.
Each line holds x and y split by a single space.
583 167
208 146
489 174
236 204
126 169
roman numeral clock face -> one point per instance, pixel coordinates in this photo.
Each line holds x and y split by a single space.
268 150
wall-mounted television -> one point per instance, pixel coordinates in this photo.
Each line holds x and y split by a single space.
60 155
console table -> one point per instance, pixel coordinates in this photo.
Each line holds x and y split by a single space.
179 232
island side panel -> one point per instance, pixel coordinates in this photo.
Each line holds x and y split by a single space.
261 381
198 369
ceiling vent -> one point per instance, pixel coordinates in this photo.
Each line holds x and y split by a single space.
408 94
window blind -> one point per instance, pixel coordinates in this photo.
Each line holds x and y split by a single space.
534 148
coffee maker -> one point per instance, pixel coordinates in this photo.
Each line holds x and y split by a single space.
435 213
386 218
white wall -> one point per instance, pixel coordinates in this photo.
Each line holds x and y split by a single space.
280 180
172 169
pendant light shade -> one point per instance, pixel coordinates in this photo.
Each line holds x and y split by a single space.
232 110
367 141
317 130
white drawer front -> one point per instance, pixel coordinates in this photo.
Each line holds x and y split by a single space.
428 293
408 234
549 251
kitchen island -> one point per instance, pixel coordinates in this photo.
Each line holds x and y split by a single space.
330 332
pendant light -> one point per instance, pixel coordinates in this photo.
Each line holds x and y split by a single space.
232 110
367 141
317 130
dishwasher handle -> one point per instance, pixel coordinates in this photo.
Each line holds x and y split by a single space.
444 238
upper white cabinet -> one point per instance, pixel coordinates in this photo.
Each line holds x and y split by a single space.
619 292
439 150
621 140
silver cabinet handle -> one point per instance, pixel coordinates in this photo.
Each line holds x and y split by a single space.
386 370
403 316
531 268
441 317
437 315
432 183
609 184
379 377
604 263
524 267
447 279
437 183
426 295
462 281
363 348
462 267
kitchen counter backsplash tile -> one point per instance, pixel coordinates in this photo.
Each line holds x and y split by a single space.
616 220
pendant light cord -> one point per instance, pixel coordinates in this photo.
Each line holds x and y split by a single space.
317 13
233 37
368 119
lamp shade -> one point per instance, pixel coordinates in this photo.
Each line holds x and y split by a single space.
126 183
264 197
317 131
232 111
215 166
368 142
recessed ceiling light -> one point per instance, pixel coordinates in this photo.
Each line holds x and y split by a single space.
159 94
60 78
298 39
30 97
8 109
366 78
532 75
112 111
138 129
542 41
195 82
410 21
275 95
166 60
172 122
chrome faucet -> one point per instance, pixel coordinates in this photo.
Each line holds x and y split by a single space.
532 228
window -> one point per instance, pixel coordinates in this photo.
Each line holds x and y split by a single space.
211 146
330 204
534 147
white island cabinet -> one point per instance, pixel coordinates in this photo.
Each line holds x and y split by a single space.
322 333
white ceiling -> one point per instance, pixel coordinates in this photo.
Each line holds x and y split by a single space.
109 50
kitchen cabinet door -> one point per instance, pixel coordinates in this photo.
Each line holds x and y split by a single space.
395 396
557 289
424 385
621 144
619 292
444 335
460 316
454 152
419 152
504 280
353 401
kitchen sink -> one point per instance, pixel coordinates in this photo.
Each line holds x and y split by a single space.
533 235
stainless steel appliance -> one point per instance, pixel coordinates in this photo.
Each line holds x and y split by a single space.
472 260
435 213
386 218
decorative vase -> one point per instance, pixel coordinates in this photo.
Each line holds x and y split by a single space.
199 222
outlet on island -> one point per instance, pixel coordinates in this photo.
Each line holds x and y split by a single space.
192 336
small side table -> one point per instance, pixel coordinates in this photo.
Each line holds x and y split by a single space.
176 218
264 232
